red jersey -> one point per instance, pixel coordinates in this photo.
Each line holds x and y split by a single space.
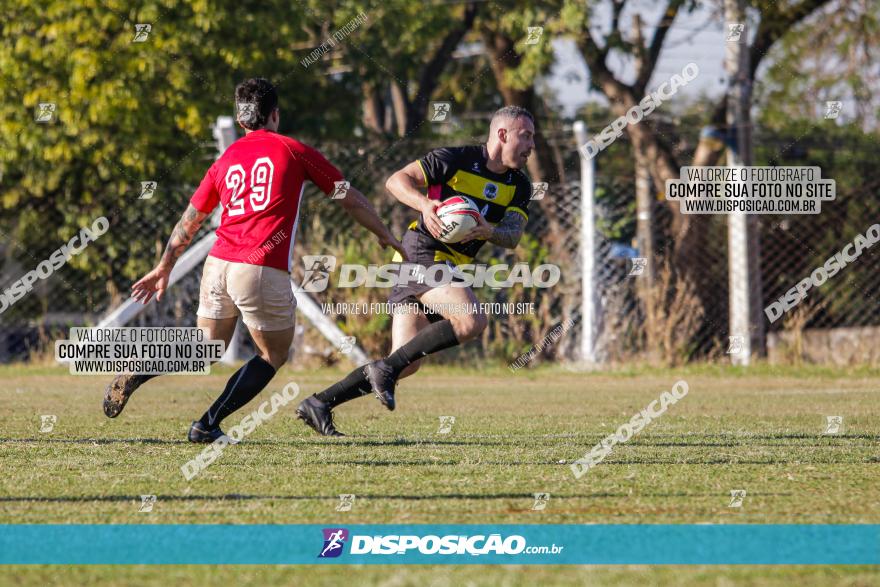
259 181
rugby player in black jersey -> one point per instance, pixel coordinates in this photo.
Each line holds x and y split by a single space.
490 175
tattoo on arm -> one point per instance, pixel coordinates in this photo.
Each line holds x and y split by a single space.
508 232
182 235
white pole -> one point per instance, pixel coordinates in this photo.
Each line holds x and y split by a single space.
131 308
587 248
739 278
309 308
225 134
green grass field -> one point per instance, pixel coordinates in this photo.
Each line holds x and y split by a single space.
761 431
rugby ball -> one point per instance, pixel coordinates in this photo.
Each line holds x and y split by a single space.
458 215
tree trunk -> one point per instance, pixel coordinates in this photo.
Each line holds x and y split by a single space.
373 109
429 77
542 166
400 106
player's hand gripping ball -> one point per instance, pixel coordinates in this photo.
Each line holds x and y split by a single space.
459 215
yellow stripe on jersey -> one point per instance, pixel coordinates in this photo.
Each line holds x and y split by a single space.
475 186
515 209
454 256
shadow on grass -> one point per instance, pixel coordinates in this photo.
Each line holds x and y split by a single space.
350 440
677 440
382 497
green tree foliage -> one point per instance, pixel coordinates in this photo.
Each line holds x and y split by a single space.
129 111
837 58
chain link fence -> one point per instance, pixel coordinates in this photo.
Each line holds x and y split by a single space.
96 280
673 317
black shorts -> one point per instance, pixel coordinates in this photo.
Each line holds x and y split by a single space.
420 250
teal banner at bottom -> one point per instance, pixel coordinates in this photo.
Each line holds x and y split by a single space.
566 544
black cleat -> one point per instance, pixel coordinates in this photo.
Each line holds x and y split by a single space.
200 435
382 379
318 416
118 392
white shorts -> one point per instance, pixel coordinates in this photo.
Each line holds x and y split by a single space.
261 295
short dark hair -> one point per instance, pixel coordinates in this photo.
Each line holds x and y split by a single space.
512 113
255 99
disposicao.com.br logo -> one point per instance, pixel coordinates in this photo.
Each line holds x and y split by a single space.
319 268
334 541
431 544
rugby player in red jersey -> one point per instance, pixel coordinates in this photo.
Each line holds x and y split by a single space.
259 182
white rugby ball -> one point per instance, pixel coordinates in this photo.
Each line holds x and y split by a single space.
458 215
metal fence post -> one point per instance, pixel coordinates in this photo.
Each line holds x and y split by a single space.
743 265
587 249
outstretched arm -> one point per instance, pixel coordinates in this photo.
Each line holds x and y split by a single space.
156 281
182 236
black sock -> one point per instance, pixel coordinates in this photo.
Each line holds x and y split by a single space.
141 379
243 386
431 339
353 386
